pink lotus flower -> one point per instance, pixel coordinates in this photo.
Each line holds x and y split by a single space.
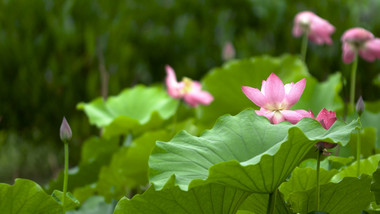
188 89
327 119
275 99
318 29
362 41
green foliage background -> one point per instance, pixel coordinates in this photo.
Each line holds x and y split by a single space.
51 51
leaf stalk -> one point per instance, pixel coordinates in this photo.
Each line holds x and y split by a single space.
318 195
272 202
65 173
353 82
304 46
358 151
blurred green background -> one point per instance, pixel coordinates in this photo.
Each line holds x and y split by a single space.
51 54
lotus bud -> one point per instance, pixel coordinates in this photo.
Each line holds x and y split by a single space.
327 119
65 131
360 106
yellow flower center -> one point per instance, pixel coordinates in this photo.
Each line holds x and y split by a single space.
187 85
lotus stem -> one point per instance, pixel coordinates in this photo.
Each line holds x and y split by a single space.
272 202
65 177
358 152
175 117
353 82
318 186
304 46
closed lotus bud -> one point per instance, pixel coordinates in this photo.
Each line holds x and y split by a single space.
65 131
360 106
327 119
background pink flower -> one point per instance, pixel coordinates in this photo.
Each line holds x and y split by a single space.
275 99
228 51
318 29
189 90
362 41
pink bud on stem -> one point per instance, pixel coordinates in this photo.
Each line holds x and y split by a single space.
65 131
65 134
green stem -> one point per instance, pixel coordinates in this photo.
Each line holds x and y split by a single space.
272 202
318 186
358 152
353 82
175 117
65 178
304 46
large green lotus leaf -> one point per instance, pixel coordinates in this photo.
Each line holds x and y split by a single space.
336 162
129 166
225 84
369 119
375 186
133 110
367 166
70 201
95 153
26 197
84 192
93 205
304 179
350 195
367 142
209 198
258 203
243 151
372 209
373 107
312 163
